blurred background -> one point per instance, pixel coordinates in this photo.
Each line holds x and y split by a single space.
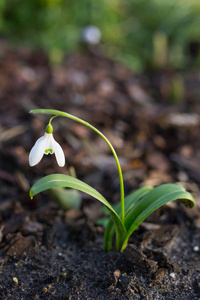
142 34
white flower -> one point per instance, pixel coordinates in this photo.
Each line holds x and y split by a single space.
45 145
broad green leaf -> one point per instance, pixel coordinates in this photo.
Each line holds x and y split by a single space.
135 196
152 201
149 198
130 200
61 181
108 237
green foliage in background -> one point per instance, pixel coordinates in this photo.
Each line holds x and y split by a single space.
140 33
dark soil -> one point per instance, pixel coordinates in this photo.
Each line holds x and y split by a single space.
46 253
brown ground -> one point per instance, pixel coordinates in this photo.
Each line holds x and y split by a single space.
46 253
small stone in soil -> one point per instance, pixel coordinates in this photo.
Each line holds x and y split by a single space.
172 275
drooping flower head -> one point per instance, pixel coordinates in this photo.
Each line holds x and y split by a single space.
45 145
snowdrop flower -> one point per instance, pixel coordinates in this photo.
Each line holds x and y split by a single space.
45 145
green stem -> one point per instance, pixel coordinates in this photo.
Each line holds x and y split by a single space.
63 114
52 119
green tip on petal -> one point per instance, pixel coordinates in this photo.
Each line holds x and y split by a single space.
47 151
49 129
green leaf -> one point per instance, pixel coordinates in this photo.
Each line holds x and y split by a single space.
61 181
130 200
67 198
135 196
152 201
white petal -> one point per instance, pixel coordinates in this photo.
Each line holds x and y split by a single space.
60 157
37 151
49 143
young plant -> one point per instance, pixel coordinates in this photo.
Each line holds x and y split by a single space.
129 213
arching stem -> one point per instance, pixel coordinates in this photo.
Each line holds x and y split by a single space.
63 114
